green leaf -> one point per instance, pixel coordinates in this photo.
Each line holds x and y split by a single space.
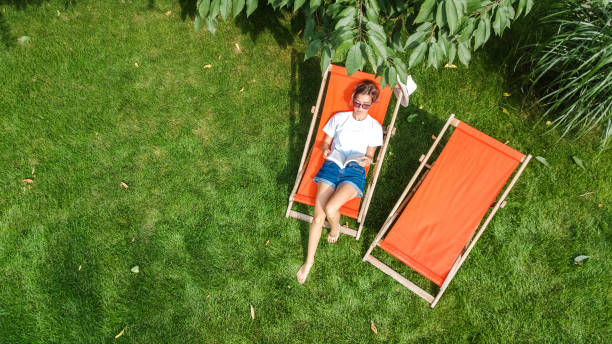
225 8
497 23
401 68
451 16
464 53
578 162
472 6
313 48
380 48
441 15
309 27
348 12
214 9
443 46
424 27
354 59
417 55
203 6
371 57
197 23
542 161
314 4
345 21
391 77
297 4
238 6
411 117
326 57
211 25
520 8
487 22
452 53
396 39
342 50
466 32
529 6
372 14
425 11
479 37
378 30
415 39
251 6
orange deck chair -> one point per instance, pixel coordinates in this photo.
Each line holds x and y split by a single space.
434 227
338 98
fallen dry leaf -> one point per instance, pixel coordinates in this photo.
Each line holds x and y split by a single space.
79 268
433 137
133 238
207 296
374 329
504 110
58 13
252 312
124 185
136 64
135 269
207 66
237 47
242 89
346 224
267 242
120 333
450 66
219 57
300 32
600 205
420 106
168 13
506 94
27 180
33 170
506 142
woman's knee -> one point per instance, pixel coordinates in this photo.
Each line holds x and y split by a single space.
331 210
318 219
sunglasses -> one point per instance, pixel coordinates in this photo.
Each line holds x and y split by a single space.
363 106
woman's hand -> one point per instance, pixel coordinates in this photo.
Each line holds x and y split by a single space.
326 153
364 161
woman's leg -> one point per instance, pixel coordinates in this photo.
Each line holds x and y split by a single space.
324 192
343 194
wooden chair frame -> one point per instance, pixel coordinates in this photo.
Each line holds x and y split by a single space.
365 202
405 198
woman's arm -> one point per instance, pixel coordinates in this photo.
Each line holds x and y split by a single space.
368 158
325 145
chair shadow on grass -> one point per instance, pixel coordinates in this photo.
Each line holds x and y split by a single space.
305 80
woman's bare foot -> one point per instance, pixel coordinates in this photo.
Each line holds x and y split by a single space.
333 236
302 273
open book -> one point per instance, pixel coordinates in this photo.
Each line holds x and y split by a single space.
342 160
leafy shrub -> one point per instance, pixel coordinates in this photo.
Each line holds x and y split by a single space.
571 70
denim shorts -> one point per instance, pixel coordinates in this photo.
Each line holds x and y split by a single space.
334 176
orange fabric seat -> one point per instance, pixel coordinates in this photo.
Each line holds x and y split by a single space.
337 99
447 208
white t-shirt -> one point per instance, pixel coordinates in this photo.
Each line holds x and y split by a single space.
351 136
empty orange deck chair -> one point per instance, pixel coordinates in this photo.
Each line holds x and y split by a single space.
433 227
338 98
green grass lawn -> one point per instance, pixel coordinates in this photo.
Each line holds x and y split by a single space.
107 92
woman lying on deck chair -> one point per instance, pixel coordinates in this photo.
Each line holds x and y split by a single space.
355 136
